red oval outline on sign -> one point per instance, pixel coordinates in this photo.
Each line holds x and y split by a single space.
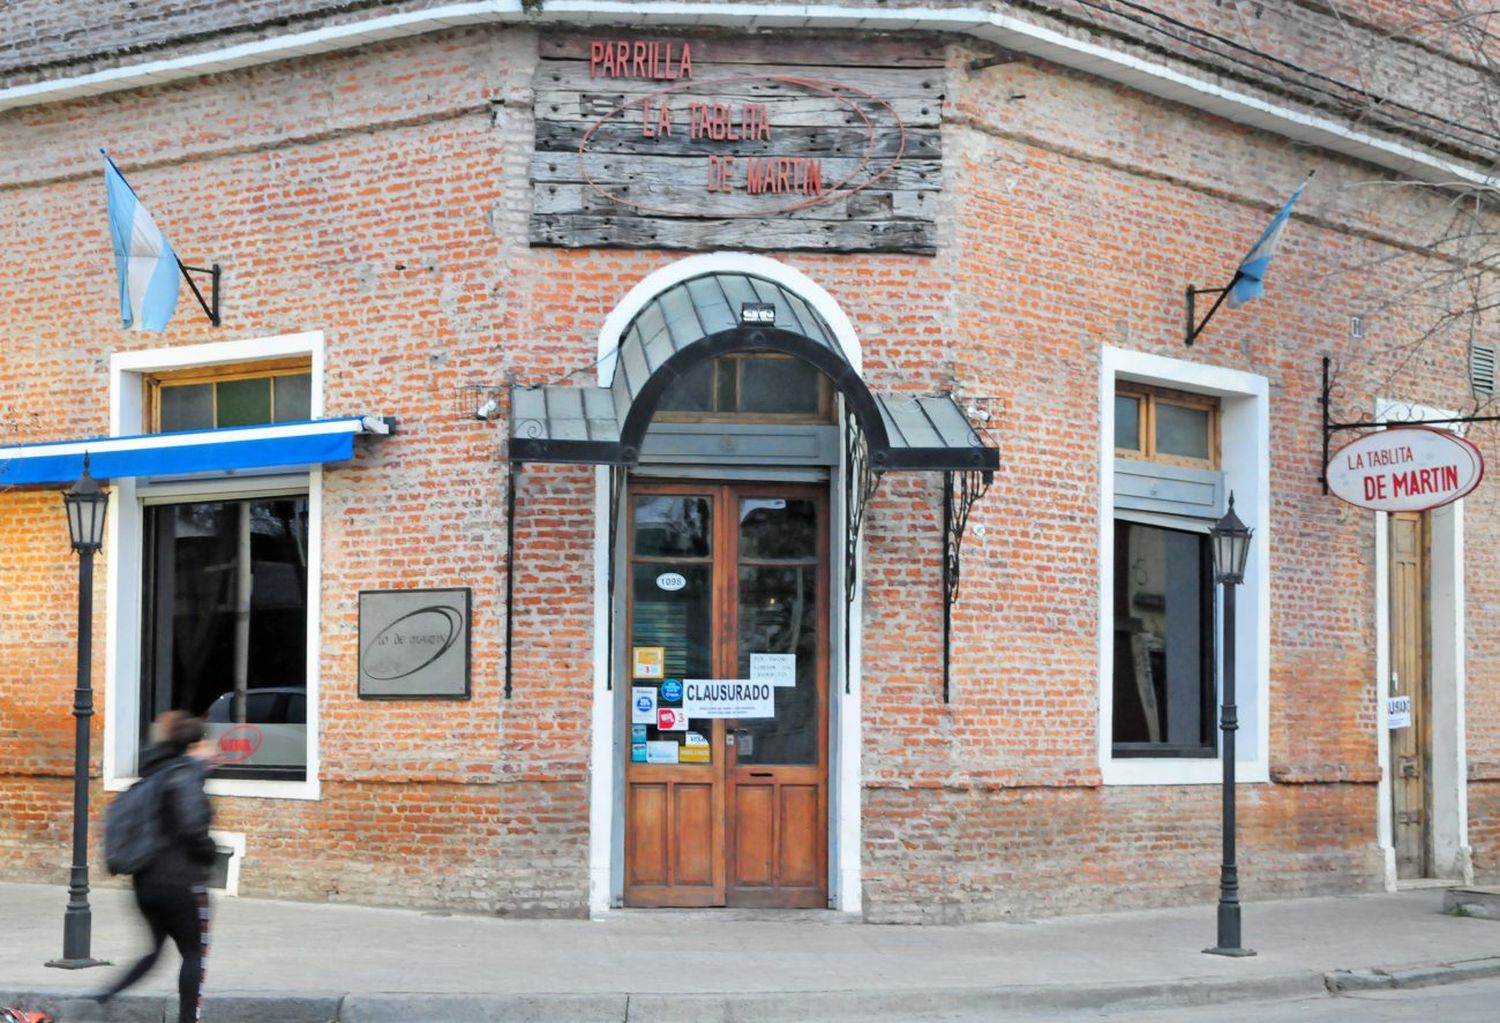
816 85
1448 436
255 740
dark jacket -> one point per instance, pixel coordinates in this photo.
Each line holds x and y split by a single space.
184 818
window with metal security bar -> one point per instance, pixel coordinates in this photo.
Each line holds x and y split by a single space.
1482 370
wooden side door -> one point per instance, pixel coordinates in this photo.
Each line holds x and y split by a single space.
1411 746
725 579
777 767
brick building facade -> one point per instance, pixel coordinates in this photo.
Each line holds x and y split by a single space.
370 178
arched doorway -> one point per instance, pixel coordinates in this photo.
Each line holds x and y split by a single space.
730 410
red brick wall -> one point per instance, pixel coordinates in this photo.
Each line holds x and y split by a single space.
381 197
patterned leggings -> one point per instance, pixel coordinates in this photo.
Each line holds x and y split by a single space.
180 913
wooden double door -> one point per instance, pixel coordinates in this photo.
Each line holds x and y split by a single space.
728 611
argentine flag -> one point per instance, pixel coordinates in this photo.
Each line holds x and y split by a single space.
1247 280
147 266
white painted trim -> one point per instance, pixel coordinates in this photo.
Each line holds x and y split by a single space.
602 766
1246 433
234 841
659 280
123 620
190 438
1013 33
845 803
1447 682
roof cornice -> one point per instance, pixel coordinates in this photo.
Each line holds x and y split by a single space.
1012 33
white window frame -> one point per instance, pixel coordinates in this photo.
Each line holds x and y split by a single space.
124 541
1244 457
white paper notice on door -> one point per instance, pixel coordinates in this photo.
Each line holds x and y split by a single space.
643 705
774 669
1398 712
728 698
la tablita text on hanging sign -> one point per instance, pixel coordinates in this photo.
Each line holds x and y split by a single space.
666 115
1410 468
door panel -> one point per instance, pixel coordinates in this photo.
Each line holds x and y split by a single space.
1410 747
737 815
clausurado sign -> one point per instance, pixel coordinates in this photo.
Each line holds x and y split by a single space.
1408 468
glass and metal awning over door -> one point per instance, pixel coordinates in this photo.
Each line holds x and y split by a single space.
728 314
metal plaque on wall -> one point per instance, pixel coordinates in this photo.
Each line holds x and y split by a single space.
748 142
414 643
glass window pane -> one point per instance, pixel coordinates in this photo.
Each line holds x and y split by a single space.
726 385
778 614
1127 422
679 619
1181 430
1163 663
781 386
293 397
773 527
186 407
691 392
244 402
668 526
213 567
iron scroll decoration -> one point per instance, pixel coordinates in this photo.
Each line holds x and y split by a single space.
861 478
1365 421
961 490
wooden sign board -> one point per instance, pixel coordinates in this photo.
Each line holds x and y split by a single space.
746 142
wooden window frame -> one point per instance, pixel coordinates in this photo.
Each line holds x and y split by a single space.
267 368
1148 397
823 416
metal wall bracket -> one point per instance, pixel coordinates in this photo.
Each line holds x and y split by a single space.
1195 328
860 482
1369 422
960 492
211 310
616 491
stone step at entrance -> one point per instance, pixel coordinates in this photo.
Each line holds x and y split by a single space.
1473 901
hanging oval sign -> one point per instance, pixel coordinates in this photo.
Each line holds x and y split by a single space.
1408 468
670 581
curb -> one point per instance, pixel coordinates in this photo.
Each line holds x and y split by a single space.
860 1006
1340 981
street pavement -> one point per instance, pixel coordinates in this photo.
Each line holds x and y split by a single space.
314 962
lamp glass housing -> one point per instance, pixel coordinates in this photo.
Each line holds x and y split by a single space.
86 505
1230 546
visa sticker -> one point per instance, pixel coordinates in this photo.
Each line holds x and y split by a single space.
638 734
638 752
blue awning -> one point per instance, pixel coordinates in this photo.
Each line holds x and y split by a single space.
292 445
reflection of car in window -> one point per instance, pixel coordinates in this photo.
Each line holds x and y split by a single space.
277 705
271 739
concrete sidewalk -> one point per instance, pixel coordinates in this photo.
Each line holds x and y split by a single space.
311 963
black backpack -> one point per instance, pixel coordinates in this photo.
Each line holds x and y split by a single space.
133 834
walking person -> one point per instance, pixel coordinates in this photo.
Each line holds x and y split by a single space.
171 890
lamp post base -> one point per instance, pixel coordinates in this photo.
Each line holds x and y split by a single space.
76 964
1236 952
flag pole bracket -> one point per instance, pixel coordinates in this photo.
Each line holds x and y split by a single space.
1194 328
210 308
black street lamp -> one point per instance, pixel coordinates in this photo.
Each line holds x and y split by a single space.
1230 543
86 505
